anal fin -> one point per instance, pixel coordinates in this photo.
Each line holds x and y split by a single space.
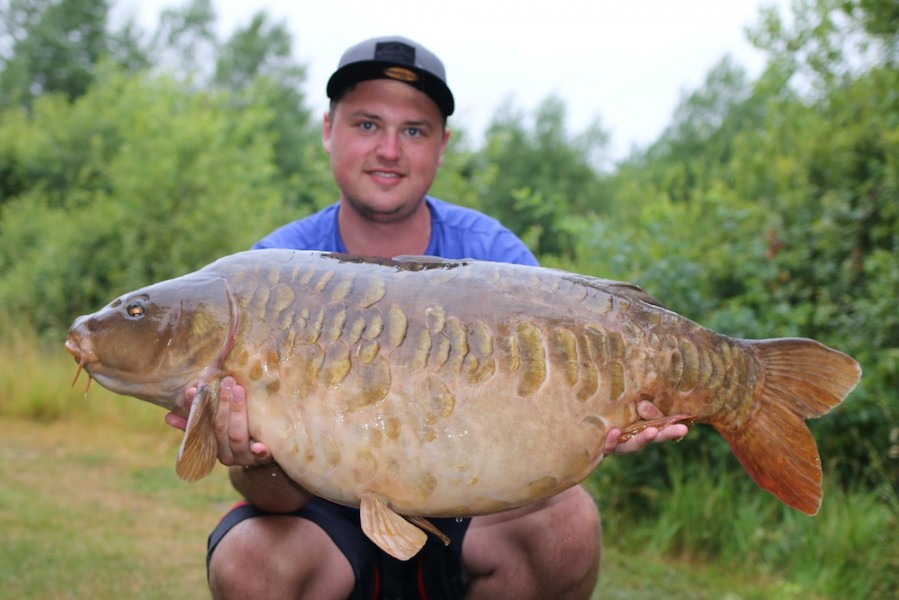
430 528
391 532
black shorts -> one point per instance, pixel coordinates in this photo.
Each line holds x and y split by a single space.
435 573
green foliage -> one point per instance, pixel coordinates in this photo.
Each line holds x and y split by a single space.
880 18
541 175
693 150
463 178
705 510
134 182
770 210
256 64
54 46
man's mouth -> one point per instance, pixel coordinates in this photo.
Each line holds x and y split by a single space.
385 174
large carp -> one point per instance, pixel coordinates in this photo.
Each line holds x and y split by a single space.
427 387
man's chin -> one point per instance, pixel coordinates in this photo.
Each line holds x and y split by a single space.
384 213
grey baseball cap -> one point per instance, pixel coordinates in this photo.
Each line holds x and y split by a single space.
396 58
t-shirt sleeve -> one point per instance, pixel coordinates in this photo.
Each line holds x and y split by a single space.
507 247
460 232
315 232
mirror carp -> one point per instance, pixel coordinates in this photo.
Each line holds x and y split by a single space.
419 387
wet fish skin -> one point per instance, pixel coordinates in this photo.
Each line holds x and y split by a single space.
421 387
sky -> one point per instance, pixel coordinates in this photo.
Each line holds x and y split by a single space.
625 62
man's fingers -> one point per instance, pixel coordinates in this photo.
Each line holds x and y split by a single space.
223 429
639 441
674 432
648 411
262 453
176 421
238 427
650 435
243 449
612 441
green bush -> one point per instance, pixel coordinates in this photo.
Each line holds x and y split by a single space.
134 182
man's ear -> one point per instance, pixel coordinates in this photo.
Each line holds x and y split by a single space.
326 132
446 138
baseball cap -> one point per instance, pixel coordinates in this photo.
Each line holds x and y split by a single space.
396 58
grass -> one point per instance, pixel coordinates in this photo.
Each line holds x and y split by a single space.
91 512
90 507
763 549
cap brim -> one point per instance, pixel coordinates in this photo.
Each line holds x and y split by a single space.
356 72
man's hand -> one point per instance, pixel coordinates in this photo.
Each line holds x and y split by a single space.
268 488
232 429
647 411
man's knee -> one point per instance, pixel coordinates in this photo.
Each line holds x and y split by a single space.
578 537
585 515
547 550
234 568
282 557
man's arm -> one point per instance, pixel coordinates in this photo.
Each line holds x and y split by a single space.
268 488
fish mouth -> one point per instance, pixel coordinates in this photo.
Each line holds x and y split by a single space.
74 350
80 347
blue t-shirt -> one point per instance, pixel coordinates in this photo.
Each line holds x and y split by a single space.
456 232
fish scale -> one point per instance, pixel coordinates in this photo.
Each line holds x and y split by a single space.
419 387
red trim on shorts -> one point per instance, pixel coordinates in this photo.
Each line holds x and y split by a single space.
377 585
422 592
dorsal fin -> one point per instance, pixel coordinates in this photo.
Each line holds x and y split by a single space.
636 292
619 288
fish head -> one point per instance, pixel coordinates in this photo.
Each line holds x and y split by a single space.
156 342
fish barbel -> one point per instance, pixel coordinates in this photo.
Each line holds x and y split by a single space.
420 387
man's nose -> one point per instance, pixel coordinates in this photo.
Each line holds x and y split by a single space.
389 147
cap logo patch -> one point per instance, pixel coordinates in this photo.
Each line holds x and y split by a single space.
401 74
395 52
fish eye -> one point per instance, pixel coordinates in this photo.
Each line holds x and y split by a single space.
136 308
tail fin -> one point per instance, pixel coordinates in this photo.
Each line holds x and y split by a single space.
801 379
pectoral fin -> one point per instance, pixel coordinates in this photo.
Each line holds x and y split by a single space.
635 428
391 532
197 454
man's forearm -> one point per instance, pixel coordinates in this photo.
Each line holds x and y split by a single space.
268 488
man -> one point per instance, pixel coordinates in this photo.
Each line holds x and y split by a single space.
386 135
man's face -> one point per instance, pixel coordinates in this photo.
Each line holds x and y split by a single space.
386 140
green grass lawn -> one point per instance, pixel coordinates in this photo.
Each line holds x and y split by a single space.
91 512
96 511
